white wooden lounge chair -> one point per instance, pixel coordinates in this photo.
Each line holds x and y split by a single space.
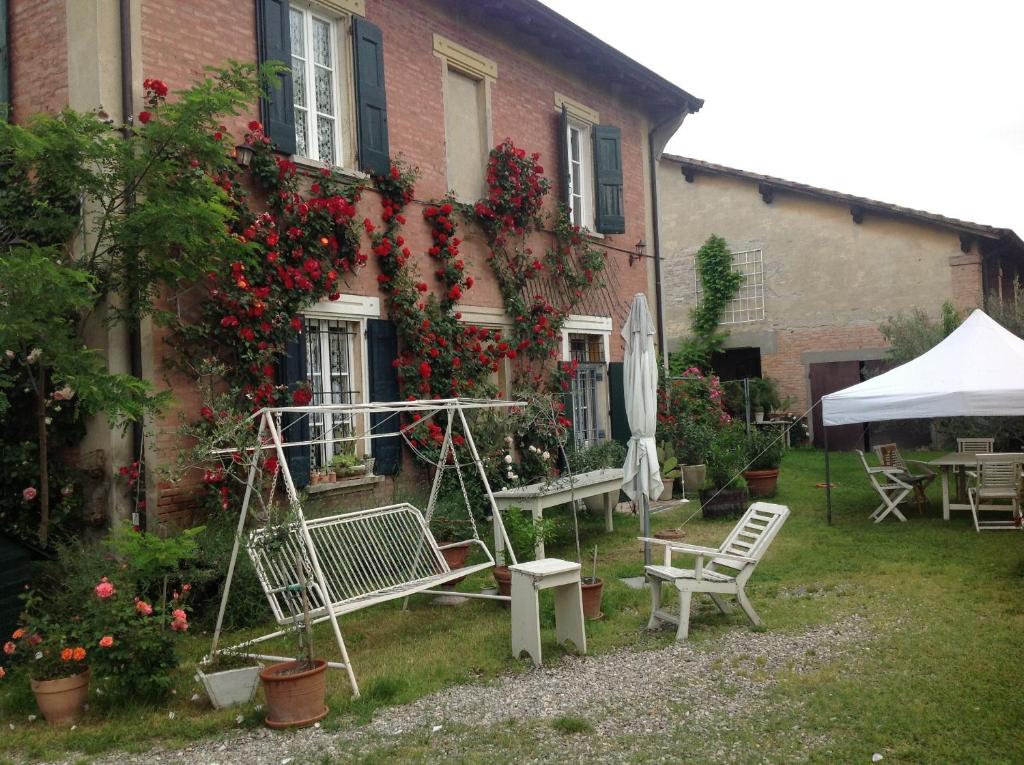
717 572
998 486
889 456
891 486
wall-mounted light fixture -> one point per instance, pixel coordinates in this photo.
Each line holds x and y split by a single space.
639 251
243 155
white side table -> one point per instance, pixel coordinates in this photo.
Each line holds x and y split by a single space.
528 579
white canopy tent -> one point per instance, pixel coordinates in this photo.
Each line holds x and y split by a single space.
978 371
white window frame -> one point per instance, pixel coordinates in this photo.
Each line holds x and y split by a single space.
353 309
585 162
591 325
748 305
343 91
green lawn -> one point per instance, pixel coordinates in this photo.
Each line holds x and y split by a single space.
941 681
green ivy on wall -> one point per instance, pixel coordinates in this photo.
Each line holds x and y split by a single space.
720 285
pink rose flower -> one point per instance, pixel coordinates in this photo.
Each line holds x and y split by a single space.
105 589
106 641
29 493
144 608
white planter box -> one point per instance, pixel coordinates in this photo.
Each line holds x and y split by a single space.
233 686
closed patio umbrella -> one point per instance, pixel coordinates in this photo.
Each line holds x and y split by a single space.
641 474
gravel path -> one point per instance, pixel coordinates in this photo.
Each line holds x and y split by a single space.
630 698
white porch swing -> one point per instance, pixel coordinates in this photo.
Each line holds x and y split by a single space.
364 558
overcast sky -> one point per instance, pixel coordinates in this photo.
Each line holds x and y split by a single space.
914 103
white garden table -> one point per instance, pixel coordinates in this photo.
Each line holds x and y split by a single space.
958 461
536 496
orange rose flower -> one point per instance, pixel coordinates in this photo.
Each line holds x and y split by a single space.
66 654
106 641
18 634
78 654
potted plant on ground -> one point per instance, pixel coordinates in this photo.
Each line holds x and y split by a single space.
669 469
764 455
229 678
295 690
724 496
696 437
57 666
524 532
592 587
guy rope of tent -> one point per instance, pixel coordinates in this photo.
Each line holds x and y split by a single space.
358 559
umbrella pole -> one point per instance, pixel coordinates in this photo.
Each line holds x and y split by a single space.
828 477
645 518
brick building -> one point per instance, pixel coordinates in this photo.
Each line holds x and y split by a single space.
437 83
821 271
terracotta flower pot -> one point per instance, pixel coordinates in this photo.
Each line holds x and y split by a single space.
61 701
762 483
504 579
295 698
455 557
592 590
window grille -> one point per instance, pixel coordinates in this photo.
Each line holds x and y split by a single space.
748 305
589 407
329 356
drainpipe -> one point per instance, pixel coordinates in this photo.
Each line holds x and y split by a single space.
653 160
5 56
135 329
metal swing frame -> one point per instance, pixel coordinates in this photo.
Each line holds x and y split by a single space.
342 552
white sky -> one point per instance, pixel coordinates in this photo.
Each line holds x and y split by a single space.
914 103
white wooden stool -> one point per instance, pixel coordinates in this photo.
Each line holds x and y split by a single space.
528 579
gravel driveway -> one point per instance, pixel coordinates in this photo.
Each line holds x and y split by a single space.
637 704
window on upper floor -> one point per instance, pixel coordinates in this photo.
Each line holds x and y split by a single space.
592 179
467 78
748 305
331 105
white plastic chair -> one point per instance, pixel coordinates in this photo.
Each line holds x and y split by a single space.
738 555
999 477
891 487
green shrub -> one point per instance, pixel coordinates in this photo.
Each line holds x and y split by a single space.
765 447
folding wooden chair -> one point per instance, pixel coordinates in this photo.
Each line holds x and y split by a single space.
889 455
891 487
999 477
971 446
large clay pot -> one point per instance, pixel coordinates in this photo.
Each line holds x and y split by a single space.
668 485
762 483
504 579
455 557
724 503
61 701
592 589
295 698
694 477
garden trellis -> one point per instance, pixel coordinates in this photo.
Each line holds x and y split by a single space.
356 560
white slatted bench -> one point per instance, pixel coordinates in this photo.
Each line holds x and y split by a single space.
367 558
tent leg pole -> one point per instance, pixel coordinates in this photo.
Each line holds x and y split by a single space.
828 477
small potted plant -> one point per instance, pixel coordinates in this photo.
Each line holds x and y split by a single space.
58 669
724 495
447 530
764 397
693 453
229 678
592 588
764 455
295 690
524 532
669 469
348 465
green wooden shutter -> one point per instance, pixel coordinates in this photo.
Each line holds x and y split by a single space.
563 157
381 351
371 97
295 427
610 214
274 44
617 401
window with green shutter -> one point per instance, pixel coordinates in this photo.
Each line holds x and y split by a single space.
274 44
610 214
371 97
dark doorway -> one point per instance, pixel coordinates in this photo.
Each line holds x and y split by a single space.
737 363
828 377
906 434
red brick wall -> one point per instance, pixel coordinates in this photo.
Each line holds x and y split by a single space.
39 57
790 371
522 106
965 272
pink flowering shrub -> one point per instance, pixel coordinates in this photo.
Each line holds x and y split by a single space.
691 410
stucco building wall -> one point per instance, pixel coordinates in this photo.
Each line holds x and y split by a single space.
828 282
